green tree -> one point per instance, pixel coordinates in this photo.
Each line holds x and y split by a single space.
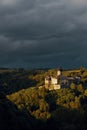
73 86
80 88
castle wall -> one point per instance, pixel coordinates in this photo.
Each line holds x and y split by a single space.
54 80
58 86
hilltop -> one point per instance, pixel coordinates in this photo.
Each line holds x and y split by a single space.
28 107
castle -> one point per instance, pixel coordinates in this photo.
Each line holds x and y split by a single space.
59 81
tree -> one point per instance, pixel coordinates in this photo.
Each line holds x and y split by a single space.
80 88
73 86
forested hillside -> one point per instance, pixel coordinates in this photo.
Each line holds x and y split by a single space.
23 105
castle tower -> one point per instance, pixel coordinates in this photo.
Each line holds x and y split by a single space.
47 82
59 72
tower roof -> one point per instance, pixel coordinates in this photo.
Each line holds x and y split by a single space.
59 69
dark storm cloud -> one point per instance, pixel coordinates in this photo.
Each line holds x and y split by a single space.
43 33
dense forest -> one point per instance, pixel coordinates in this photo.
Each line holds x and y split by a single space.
26 105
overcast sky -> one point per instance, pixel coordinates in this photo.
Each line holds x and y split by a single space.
43 33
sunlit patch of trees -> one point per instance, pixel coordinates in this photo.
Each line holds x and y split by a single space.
66 107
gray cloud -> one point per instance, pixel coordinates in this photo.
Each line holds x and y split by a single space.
43 33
